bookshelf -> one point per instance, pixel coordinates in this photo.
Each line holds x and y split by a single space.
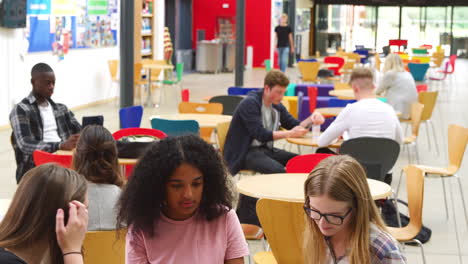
145 23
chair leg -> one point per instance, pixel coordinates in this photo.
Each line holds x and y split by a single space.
428 136
416 152
395 201
398 186
462 197
445 197
409 154
434 136
455 223
422 249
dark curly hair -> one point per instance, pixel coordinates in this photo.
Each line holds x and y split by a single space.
143 197
96 156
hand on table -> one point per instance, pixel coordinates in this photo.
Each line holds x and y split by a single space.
297 131
70 237
70 143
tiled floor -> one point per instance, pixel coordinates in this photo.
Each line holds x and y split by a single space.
451 108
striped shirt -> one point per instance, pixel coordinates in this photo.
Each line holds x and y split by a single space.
384 249
28 134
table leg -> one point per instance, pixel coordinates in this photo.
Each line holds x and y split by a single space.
148 100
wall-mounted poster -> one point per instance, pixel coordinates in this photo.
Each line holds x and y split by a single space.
59 25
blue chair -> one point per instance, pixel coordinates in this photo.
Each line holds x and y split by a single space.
334 102
176 128
131 116
240 90
363 52
307 60
418 70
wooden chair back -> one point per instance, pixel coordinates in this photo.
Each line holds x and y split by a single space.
309 70
416 113
200 108
283 223
457 140
104 247
428 99
113 67
221 133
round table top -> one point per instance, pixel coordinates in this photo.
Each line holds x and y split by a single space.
122 161
329 111
309 140
4 205
290 187
153 66
347 94
204 120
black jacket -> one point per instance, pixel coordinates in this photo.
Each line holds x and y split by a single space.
247 125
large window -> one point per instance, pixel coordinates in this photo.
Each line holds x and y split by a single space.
388 23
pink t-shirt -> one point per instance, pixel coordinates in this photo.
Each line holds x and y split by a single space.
194 241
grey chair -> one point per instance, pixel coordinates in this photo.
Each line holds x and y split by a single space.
376 155
229 102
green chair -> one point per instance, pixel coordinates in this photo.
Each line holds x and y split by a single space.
291 90
268 65
178 79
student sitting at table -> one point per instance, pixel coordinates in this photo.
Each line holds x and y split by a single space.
46 221
368 117
398 86
96 158
343 223
178 206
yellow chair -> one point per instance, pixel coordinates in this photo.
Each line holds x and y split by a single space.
113 68
139 82
309 70
202 108
283 223
438 58
416 113
378 62
457 141
341 86
292 103
286 105
415 190
104 247
428 99
348 66
354 56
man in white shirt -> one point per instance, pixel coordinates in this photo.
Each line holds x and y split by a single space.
368 117
40 123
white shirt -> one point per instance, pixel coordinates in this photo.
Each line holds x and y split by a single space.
365 118
50 133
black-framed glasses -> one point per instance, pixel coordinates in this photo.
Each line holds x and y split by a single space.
331 218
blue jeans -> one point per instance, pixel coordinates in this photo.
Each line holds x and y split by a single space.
283 57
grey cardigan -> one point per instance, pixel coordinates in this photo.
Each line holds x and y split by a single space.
101 208
400 91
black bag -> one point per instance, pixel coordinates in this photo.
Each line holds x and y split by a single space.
390 217
131 150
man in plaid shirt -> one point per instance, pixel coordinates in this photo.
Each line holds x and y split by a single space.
40 123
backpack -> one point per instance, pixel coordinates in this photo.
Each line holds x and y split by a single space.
389 215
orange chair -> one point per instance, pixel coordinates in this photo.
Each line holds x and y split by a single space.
136 131
202 108
42 157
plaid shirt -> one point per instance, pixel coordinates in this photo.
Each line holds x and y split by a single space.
27 136
384 249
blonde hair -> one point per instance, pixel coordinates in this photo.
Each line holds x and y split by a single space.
393 63
341 178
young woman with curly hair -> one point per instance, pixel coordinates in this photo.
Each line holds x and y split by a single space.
178 206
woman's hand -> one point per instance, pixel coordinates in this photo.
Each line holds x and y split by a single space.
70 237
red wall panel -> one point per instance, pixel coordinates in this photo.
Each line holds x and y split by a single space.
257 24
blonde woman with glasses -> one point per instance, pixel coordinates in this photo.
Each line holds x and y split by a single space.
398 85
343 224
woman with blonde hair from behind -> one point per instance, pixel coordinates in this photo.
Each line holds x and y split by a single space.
398 85
343 224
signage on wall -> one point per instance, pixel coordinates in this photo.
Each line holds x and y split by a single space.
60 25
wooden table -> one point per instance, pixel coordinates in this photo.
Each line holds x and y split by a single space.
122 161
4 205
310 141
204 120
290 187
154 66
347 94
329 111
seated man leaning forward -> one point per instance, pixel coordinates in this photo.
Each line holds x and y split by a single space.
40 123
368 117
255 125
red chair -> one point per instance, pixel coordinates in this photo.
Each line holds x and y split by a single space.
305 163
421 88
137 131
185 95
398 43
434 78
451 63
41 157
312 92
335 60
